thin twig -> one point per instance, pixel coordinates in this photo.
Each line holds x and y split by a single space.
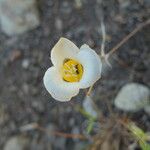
137 29
65 135
124 40
120 62
109 106
68 135
34 126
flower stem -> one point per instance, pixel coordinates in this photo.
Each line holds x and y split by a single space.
90 90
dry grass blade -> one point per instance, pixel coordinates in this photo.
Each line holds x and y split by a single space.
65 135
137 29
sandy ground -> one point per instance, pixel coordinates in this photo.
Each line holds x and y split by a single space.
25 58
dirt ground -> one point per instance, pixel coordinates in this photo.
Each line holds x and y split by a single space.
25 58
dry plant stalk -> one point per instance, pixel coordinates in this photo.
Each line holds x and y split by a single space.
114 49
34 126
113 127
125 39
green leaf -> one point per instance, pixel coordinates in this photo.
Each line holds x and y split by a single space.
136 131
90 126
140 135
144 146
85 113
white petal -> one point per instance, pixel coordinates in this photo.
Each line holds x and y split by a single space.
92 65
59 89
64 48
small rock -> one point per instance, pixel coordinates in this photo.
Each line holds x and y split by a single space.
88 106
99 1
58 24
25 63
80 145
25 88
132 97
18 16
40 143
17 143
147 109
133 146
60 143
34 91
124 3
50 129
120 19
71 122
78 4
75 130
66 9
38 105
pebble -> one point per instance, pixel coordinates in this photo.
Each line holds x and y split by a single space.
17 143
124 3
80 145
38 105
57 141
25 63
88 106
66 9
25 88
59 24
18 16
132 97
60 143
78 4
75 130
39 143
147 109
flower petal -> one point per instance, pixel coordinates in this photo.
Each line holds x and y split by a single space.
63 49
59 89
92 66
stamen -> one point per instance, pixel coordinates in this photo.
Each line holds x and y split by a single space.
68 71
72 70
67 66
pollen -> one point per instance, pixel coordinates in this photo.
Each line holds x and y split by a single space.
72 71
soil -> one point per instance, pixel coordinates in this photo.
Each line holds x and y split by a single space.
25 58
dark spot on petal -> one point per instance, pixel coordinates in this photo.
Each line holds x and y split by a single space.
66 60
77 69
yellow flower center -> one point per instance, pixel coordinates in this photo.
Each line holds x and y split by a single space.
72 71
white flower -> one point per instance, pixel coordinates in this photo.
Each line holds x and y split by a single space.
73 69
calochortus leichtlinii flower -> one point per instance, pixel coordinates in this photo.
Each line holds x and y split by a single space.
72 69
